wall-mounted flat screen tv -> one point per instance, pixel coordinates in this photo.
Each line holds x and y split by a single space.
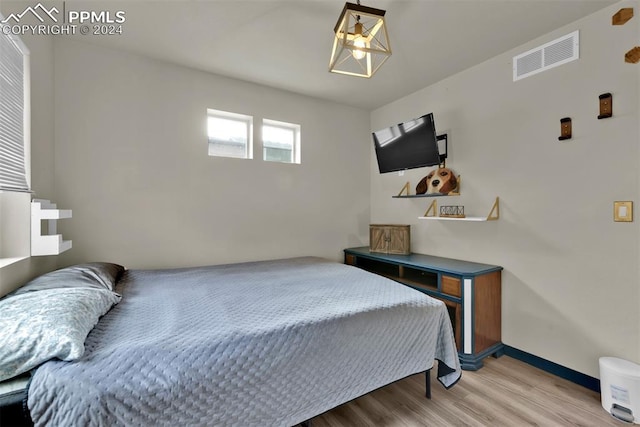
408 145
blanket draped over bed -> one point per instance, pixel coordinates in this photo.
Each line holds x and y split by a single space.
257 344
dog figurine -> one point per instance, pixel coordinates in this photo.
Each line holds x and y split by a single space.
441 180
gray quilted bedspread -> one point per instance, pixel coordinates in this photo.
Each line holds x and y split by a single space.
257 344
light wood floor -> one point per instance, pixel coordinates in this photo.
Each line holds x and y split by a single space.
505 392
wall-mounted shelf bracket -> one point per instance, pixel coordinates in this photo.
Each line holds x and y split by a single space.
405 189
494 213
432 210
633 56
606 106
622 16
565 129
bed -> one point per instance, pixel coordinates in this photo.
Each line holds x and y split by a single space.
265 343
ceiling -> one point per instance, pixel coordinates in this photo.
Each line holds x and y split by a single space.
286 44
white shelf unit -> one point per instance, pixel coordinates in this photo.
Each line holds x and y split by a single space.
494 214
50 243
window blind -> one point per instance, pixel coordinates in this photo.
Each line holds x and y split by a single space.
12 120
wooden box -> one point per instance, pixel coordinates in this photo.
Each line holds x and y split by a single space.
390 238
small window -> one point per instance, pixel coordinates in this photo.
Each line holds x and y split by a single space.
14 114
230 134
280 142
15 125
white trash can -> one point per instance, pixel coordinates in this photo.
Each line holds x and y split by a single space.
620 388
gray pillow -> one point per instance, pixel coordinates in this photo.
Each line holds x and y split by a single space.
51 323
96 275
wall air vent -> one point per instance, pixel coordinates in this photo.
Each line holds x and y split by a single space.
549 55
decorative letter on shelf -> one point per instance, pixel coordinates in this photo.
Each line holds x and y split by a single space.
50 243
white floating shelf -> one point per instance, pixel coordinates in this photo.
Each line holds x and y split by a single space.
468 218
55 213
51 243
494 214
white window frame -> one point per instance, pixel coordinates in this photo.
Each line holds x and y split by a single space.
15 203
26 113
295 155
241 118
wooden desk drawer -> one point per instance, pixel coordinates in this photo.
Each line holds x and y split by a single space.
451 286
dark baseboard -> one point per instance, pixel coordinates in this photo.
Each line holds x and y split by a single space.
553 368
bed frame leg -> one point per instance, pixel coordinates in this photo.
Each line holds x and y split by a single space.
427 375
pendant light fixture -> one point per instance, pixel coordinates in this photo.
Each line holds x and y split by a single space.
361 43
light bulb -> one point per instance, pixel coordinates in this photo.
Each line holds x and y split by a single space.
357 53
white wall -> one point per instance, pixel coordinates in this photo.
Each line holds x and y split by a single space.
570 284
131 161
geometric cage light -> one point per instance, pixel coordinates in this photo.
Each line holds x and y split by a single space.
361 43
